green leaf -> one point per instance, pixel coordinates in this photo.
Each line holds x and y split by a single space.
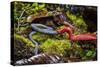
89 53
41 6
34 4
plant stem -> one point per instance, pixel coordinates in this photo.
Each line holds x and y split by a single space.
19 19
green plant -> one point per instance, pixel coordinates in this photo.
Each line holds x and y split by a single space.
23 9
77 21
24 40
59 47
89 55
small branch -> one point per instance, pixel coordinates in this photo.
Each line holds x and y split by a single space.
19 19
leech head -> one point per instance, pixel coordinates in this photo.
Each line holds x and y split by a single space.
65 29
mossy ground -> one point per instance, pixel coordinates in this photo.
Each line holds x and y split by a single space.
56 44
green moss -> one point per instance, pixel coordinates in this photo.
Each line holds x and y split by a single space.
90 54
40 37
24 40
78 21
56 46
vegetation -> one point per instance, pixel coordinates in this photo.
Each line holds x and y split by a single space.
78 22
56 44
59 47
23 47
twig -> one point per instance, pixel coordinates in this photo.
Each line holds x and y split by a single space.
19 19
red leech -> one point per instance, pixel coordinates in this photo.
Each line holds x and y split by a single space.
80 37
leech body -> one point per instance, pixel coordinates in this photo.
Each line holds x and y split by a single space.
36 44
43 29
38 28
80 37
